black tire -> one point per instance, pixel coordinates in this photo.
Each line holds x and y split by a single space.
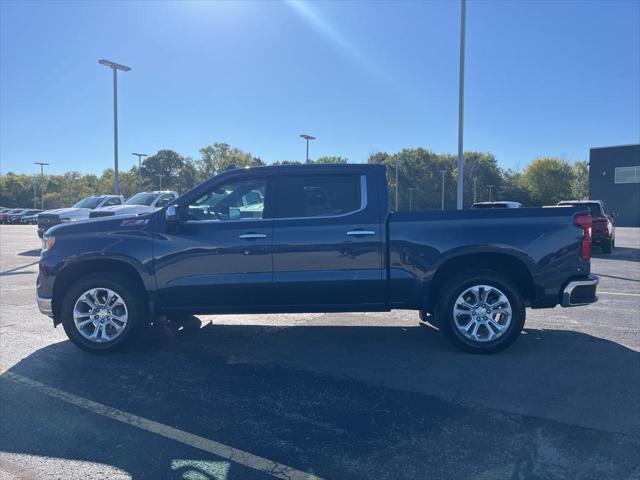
130 293
456 286
607 246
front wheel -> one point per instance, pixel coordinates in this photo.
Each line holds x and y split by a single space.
480 311
103 311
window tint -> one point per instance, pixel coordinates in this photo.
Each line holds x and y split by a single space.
240 200
112 201
317 196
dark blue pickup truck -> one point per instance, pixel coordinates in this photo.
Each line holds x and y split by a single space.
313 238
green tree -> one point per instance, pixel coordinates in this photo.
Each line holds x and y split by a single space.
580 185
218 157
330 160
481 169
162 169
548 180
512 188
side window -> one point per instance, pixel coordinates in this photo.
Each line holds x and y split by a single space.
164 200
317 196
238 200
111 202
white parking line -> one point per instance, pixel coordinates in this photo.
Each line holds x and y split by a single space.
241 457
620 293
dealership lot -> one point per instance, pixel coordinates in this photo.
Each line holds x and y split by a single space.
337 396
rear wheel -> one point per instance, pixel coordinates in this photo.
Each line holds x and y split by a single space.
103 311
607 245
480 311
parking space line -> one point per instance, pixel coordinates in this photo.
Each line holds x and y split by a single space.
619 293
241 457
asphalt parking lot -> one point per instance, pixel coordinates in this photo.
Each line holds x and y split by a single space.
333 396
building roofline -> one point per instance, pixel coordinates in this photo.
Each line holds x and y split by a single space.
616 146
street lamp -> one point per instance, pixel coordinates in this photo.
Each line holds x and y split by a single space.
411 189
307 138
115 67
490 196
463 18
475 184
396 185
443 172
42 164
140 156
160 175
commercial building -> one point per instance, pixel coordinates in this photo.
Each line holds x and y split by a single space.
614 177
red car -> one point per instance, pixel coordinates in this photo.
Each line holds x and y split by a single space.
603 228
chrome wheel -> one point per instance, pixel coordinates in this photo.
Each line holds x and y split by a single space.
100 315
482 313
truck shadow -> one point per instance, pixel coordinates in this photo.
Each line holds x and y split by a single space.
342 402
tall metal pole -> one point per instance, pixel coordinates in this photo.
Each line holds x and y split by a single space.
443 172
35 194
396 185
160 175
42 164
463 16
140 155
116 178
115 67
411 189
490 196
307 138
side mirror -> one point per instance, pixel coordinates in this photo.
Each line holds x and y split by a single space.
172 217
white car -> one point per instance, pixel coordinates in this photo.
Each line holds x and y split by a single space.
80 211
143 202
497 205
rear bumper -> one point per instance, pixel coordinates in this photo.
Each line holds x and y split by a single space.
580 291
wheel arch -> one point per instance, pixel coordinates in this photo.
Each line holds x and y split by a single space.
504 263
77 270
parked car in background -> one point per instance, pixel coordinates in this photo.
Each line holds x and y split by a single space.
603 227
31 218
4 216
18 216
143 202
316 238
80 211
496 205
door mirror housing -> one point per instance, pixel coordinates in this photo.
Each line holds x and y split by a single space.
172 218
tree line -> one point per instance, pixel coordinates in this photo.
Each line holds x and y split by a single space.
420 175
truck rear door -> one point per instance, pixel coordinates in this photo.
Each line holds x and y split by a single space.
327 241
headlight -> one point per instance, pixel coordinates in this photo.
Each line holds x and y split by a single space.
47 243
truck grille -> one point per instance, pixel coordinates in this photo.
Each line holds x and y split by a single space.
47 220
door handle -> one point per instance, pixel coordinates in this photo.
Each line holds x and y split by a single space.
251 236
357 233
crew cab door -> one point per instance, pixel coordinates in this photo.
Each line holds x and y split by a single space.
327 242
220 256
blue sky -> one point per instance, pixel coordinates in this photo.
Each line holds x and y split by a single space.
543 78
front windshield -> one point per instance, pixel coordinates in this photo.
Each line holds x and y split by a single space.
89 202
142 199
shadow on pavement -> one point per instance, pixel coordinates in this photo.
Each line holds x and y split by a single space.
341 402
619 253
30 253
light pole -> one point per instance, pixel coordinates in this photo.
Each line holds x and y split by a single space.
35 194
443 172
475 183
140 156
115 67
42 164
463 18
490 196
307 138
160 175
411 189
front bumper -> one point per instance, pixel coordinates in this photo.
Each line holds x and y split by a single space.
45 306
580 292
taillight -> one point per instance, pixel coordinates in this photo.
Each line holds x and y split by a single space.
584 222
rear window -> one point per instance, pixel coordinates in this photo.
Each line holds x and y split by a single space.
594 208
317 196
